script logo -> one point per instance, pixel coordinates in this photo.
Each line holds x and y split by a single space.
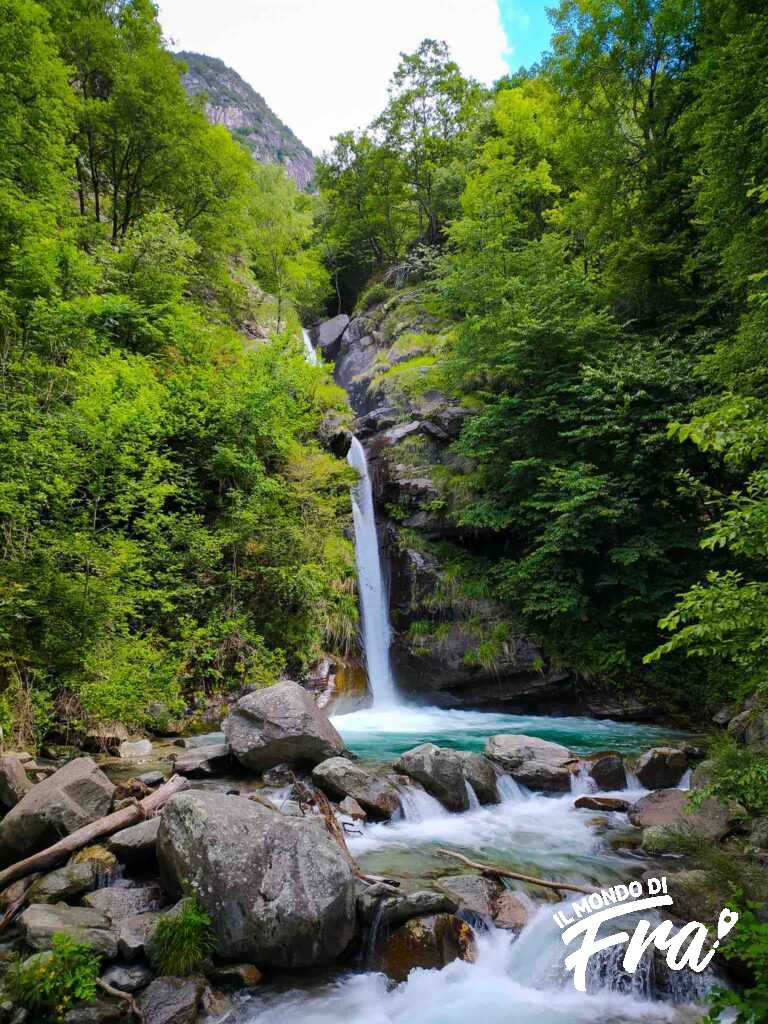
684 947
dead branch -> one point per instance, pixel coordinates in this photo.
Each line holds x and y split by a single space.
106 826
501 872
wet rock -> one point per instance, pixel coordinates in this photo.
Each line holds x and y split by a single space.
101 861
334 434
214 1004
428 942
235 975
697 895
136 845
14 782
151 778
668 808
391 910
473 892
135 749
533 762
481 775
327 335
75 795
119 902
513 910
202 761
278 889
134 933
602 803
41 921
278 724
67 883
280 775
661 767
352 809
128 977
100 1011
659 839
607 770
171 1001
339 777
440 771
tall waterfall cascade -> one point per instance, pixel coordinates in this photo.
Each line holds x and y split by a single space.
374 605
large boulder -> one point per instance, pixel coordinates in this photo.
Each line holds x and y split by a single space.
374 903
75 795
339 777
278 889
661 767
120 902
41 921
481 775
440 771
14 783
327 335
280 723
473 892
427 942
135 933
533 762
201 761
668 808
606 768
67 883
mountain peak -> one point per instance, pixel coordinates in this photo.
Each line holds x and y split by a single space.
236 104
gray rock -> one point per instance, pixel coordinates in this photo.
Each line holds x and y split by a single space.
352 809
67 883
661 767
513 910
473 892
171 1001
201 761
668 808
128 977
340 777
280 775
481 775
440 771
151 778
134 933
607 770
204 739
75 795
602 803
394 910
135 749
14 783
536 763
135 845
105 738
327 335
750 726
41 921
697 895
119 902
278 724
278 889
100 1011
758 837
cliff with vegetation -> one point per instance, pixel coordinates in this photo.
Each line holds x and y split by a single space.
231 101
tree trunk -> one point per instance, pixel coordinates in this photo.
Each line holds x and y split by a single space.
127 816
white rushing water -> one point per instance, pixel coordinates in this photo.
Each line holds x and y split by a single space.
309 348
374 600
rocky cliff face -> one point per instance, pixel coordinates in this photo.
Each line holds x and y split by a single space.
232 102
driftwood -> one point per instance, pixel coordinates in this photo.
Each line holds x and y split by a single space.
138 811
116 993
15 905
335 829
497 869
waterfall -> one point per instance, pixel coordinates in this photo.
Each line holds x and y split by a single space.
309 348
373 596
581 781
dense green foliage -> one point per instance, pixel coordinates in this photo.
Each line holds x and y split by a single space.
598 243
749 945
49 984
182 940
169 522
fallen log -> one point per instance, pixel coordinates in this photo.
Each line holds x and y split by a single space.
138 811
501 872
18 901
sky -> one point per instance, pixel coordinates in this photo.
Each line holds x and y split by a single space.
323 65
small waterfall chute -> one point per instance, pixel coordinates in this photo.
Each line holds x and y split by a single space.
309 348
685 782
418 805
510 791
474 803
582 782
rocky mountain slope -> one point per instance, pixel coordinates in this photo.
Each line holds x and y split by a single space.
234 103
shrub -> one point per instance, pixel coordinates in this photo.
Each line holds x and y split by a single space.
182 940
51 983
747 943
372 296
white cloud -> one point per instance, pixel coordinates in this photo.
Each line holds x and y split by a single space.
323 65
